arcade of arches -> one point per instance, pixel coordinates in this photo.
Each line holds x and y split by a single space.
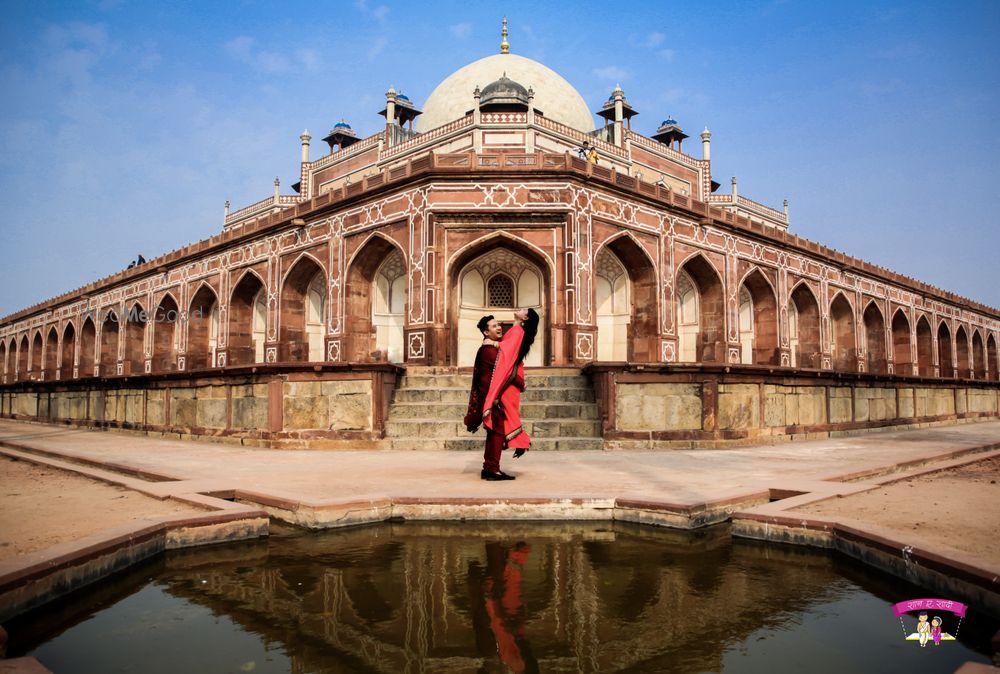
497 280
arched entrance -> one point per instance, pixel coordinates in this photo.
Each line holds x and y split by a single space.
68 347
945 367
962 351
614 307
978 353
803 328
925 348
375 297
498 282
247 321
135 339
51 349
88 347
700 317
303 308
203 329
845 353
902 360
165 336
758 321
875 339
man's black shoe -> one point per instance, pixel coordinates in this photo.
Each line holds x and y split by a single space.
494 477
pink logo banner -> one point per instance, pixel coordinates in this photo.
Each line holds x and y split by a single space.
955 607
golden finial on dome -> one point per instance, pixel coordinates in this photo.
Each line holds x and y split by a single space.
504 45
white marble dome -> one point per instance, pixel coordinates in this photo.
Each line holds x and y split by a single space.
554 96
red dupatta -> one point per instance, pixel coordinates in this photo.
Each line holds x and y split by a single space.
504 416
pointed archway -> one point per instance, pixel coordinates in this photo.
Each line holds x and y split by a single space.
165 335
991 358
135 339
978 356
845 353
203 329
247 321
495 276
945 366
803 329
925 348
109 344
376 302
68 351
962 353
901 358
875 339
758 321
701 312
302 311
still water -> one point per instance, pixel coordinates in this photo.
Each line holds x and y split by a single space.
492 597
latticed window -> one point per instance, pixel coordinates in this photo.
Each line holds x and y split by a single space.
500 291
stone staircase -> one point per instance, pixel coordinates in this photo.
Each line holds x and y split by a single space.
557 410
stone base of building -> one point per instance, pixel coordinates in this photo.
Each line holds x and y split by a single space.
670 406
280 405
649 406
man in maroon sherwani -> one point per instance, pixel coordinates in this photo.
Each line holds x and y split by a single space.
482 373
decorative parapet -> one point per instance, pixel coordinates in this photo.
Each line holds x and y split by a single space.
661 149
269 205
348 151
749 206
422 139
579 136
504 118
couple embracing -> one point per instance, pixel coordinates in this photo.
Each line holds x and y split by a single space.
497 384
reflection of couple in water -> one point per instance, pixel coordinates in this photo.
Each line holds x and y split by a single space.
497 612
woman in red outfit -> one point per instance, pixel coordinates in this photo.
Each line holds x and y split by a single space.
502 406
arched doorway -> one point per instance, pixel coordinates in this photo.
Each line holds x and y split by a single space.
165 335
68 348
135 339
901 358
925 348
375 303
302 311
991 358
758 321
88 347
109 344
203 329
35 364
978 354
945 366
51 349
875 339
845 351
962 352
3 361
614 307
700 312
498 282
389 307
22 359
247 321
803 328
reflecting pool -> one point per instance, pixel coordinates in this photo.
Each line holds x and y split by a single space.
492 597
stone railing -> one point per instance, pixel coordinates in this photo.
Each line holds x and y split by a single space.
425 138
749 205
348 151
264 205
579 136
504 118
662 149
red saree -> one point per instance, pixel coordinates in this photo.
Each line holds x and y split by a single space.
502 406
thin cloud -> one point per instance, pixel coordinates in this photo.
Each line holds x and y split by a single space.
461 30
611 73
667 55
655 39
243 49
378 46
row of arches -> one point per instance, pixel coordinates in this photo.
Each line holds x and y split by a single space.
701 324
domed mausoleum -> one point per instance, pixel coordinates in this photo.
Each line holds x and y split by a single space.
344 313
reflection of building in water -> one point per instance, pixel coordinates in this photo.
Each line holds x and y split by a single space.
590 601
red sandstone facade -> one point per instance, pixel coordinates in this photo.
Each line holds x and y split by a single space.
394 240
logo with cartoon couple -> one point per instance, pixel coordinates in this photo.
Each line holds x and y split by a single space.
930 624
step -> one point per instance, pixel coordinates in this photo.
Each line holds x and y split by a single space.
445 428
474 443
465 380
455 394
529 410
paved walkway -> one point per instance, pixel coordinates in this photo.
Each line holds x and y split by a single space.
675 476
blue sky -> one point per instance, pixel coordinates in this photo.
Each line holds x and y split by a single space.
126 126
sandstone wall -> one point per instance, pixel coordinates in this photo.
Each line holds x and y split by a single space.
671 409
302 408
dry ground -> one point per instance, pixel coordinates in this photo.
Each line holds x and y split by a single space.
958 507
41 507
